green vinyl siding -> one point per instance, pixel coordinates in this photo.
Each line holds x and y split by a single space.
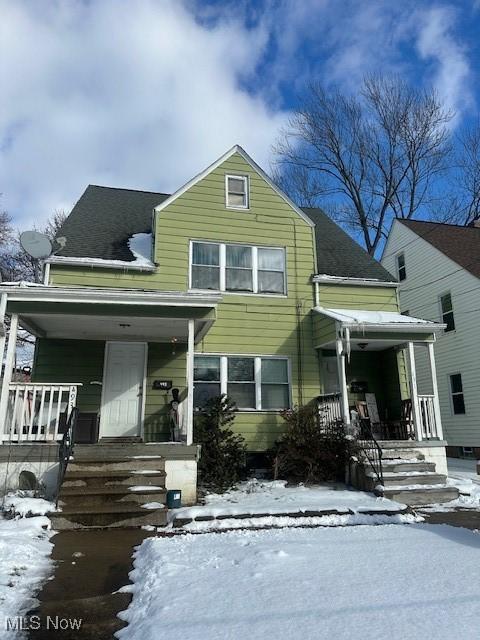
72 361
324 331
337 296
165 362
254 324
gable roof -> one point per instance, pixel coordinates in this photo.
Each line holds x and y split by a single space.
249 160
460 244
103 220
339 255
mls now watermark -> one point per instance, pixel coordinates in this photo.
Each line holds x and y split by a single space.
34 623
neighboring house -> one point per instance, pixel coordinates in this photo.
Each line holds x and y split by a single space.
438 266
226 286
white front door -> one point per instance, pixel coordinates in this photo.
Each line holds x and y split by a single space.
122 397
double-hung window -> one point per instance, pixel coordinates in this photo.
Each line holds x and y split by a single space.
446 308
236 192
238 267
456 390
401 268
252 382
205 266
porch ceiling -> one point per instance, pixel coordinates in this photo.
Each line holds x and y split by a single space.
91 327
368 344
103 314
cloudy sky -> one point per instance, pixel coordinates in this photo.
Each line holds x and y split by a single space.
145 93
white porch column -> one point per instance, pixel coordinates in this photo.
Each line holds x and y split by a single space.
414 391
190 352
436 403
342 378
7 374
3 308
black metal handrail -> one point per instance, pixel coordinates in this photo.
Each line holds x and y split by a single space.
368 445
65 449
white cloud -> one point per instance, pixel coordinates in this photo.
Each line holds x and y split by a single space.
437 43
135 94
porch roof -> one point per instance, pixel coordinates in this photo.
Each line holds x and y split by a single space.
379 321
103 314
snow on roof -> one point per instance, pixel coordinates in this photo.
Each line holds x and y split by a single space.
362 317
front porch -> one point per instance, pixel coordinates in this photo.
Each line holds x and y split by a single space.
121 357
378 370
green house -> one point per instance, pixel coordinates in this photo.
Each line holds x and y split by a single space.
225 286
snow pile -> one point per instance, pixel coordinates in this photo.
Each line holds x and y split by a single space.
463 475
140 244
279 522
22 503
24 564
274 497
316 584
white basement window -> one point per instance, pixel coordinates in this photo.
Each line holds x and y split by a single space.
238 268
254 383
236 192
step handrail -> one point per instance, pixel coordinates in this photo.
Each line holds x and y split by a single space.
65 449
372 451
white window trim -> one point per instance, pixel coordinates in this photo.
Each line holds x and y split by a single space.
246 181
398 266
258 377
457 393
440 296
222 265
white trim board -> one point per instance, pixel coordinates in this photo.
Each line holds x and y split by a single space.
235 149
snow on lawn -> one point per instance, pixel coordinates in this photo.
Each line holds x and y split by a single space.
463 475
271 497
24 563
392 581
23 503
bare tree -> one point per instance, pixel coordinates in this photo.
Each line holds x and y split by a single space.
375 156
16 264
464 195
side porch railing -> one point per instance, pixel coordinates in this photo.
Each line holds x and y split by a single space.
38 412
406 428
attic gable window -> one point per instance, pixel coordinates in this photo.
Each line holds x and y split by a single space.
236 188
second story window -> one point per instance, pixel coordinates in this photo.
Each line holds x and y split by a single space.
237 268
446 308
401 269
236 195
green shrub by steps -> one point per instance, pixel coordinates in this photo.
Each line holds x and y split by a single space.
223 453
309 452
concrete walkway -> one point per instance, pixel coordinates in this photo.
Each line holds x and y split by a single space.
90 567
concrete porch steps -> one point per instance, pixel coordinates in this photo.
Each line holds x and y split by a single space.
100 492
408 478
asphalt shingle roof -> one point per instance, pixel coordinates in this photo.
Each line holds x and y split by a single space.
338 254
460 244
103 220
105 217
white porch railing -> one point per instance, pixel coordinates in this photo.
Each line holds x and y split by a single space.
329 409
428 424
38 412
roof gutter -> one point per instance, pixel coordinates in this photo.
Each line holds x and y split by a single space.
41 293
121 265
323 278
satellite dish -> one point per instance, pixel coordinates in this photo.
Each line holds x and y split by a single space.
36 244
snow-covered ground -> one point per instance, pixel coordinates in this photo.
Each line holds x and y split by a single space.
274 497
412 581
463 475
25 564
23 503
